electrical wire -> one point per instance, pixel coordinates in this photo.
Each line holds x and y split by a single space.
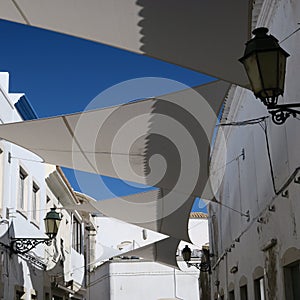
291 34
245 122
42 209
291 177
254 121
265 129
228 163
28 159
231 208
264 126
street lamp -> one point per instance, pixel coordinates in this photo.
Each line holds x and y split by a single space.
24 245
52 222
265 64
204 266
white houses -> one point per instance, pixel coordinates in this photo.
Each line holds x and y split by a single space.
78 264
23 207
254 229
131 277
28 189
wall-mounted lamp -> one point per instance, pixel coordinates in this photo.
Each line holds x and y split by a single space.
204 266
265 63
52 222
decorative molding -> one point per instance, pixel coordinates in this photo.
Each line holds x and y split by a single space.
25 109
243 281
290 256
258 273
267 13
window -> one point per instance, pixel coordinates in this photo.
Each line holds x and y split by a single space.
22 188
77 236
244 292
231 295
292 279
34 201
145 234
19 292
259 289
19 295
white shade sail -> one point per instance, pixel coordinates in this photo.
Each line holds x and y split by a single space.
206 36
163 252
135 209
151 210
106 253
162 142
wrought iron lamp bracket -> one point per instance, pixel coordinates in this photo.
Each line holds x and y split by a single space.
281 112
203 266
24 245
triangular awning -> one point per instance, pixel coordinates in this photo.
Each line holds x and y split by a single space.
205 36
162 142
150 210
163 252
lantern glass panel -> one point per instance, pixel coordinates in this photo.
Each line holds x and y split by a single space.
49 225
52 226
250 64
281 69
268 65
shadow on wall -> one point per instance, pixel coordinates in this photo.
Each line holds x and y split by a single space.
51 278
11 270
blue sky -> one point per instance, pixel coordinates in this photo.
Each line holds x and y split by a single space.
61 74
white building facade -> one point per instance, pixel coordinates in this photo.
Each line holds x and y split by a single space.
130 277
22 209
28 189
254 231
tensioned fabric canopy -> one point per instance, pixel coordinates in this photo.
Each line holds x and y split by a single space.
206 36
162 142
137 209
149 210
163 252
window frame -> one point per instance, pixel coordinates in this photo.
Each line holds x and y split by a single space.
22 191
76 235
20 292
244 289
35 199
258 288
231 295
288 279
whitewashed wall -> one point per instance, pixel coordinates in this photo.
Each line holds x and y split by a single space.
247 183
144 280
63 263
16 271
134 279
